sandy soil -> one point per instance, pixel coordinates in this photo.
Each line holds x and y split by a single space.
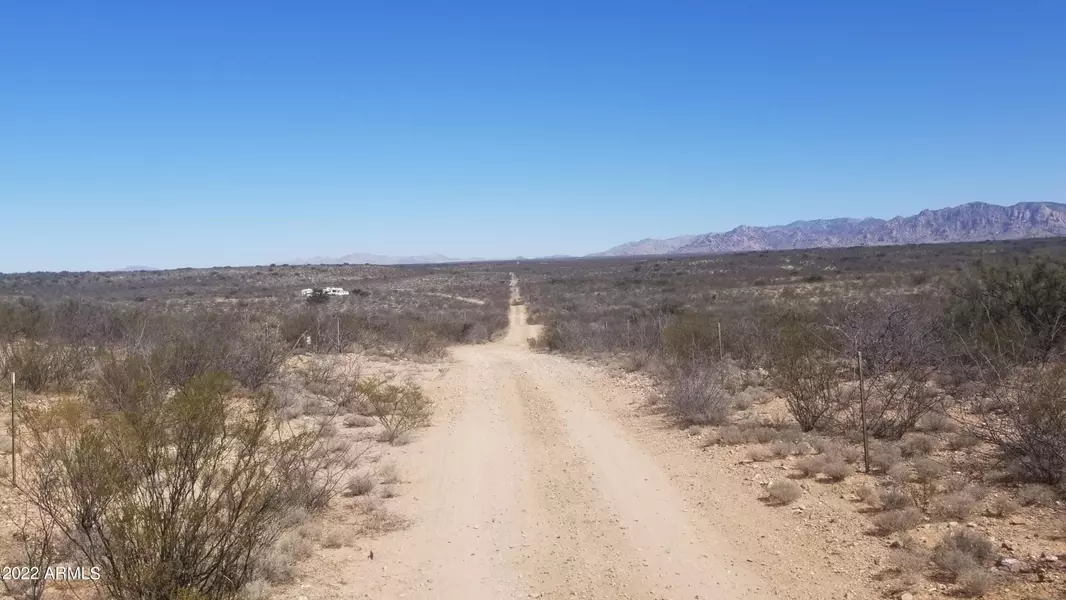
538 479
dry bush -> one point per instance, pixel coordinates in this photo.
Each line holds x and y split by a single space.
783 491
869 495
277 564
809 375
377 519
936 422
1008 321
894 498
336 538
976 582
1026 421
963 550
399 408
784 449
1035 494
200 343
1003 506
45 366
896 520
759 454
963 441
810 465
918 444
696 395
955 506
837 470
732 436
359 486
885 456
177 494
927 470
901 349
359 421
909 564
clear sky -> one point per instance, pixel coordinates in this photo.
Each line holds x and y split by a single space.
193 133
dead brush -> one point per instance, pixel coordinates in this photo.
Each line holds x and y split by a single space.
783 491
897 520
963 550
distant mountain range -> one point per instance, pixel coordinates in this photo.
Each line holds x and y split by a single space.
973 222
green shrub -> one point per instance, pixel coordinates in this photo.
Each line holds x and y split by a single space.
175 495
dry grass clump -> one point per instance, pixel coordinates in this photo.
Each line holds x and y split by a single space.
893 498
783 491
1002 506
359 421
885 456
955 506
963 441
784 449
759 454
810 466
976 582
359 486
696 395
376 519
918 444
837 470
1035 494
963 551
894 521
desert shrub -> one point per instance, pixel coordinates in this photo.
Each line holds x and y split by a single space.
808 374
1035 494
936 421
783 449
918 444
975 583
759 454
1027 422
884 456
179 494
963 441
956 506
896 520
45 366
927 470
208 342
550 338
810 465
783 491
696 395
894 498
399 408
901 349
963 550
869 494
690 338
1003 506
359 486
851 454
837 470
731 435
1012 313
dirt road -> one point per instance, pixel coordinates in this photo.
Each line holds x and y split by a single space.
530 485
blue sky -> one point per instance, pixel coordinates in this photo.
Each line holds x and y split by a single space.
224 133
